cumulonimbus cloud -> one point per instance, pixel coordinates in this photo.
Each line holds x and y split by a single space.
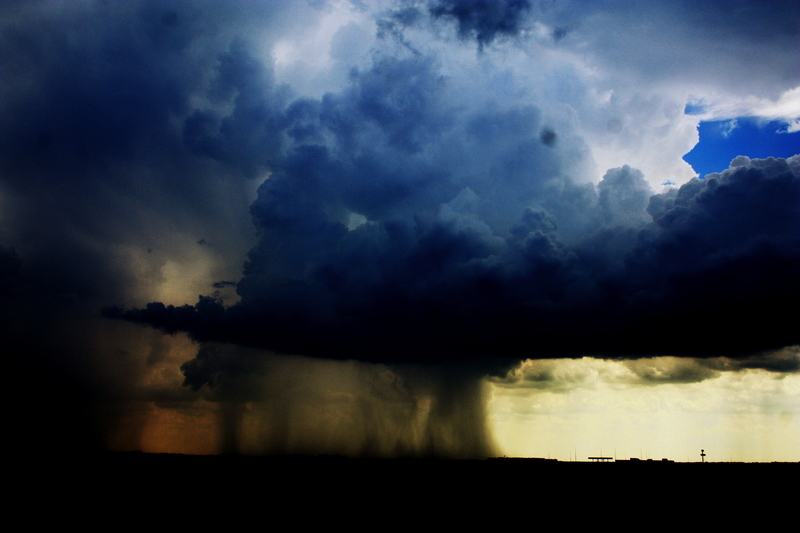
378 243
416 214
475 182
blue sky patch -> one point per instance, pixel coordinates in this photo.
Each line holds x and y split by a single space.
723 140
694 108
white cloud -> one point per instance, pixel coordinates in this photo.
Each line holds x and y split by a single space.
785 109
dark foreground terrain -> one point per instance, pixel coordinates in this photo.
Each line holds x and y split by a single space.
218 491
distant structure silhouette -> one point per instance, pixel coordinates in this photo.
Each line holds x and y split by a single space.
702 456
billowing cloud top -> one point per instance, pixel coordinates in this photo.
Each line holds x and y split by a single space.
713 273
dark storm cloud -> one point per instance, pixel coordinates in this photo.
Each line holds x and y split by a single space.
402 221
394 229
483 20
96 171
479 20
247 137
370 227
122 120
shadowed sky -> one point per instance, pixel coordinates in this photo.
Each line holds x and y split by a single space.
448 188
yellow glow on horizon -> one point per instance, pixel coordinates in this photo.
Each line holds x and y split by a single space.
750 415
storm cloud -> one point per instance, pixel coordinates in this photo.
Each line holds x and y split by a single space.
713 273
404 222
455 186
484 20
